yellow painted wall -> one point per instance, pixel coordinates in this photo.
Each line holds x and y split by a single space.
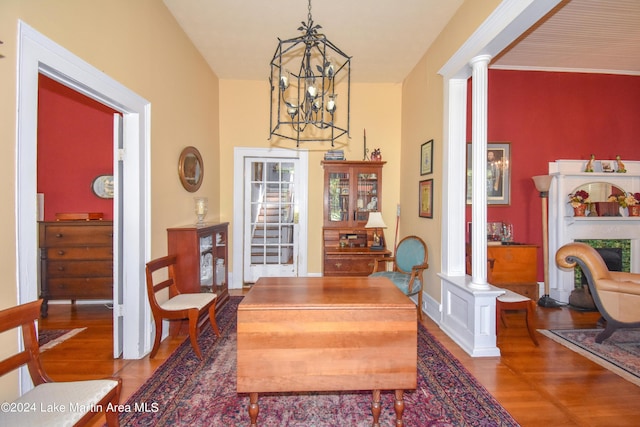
139 44
422 115
244 122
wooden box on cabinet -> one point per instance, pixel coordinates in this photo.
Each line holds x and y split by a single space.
202 258
76 261
515 268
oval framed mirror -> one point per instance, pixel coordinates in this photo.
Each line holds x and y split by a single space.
190 169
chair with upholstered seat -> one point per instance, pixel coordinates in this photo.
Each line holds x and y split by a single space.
616 294
178 306
408 263
52 403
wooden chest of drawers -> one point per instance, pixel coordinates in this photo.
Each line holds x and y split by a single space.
76 261
515 268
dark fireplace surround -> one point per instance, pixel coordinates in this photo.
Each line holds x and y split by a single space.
616 255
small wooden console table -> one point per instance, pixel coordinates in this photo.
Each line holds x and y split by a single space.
327 334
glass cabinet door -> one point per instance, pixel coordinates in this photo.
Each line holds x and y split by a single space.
339 193
366 195
206 263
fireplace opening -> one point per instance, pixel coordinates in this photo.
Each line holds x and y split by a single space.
580 298
612 258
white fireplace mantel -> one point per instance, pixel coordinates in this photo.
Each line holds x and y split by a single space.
565 228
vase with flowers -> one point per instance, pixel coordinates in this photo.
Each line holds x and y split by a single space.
578 201
633 204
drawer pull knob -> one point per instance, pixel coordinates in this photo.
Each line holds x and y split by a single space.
60 268
60 252
338 264
59 235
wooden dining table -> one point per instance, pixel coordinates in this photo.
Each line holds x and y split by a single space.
308 334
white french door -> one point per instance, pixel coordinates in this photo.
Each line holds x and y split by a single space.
274 214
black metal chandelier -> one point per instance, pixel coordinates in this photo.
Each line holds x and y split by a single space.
304 102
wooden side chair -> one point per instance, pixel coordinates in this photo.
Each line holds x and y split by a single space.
408 263
192 306
78 398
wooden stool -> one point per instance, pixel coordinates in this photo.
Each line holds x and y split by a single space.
513 301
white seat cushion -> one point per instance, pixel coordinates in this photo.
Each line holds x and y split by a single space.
57 404
185 301
510 296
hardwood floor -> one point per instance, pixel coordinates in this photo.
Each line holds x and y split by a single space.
548 385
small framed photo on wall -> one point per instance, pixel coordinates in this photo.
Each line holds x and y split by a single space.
425 199
426 158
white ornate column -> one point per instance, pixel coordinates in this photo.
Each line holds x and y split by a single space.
469 304
480 66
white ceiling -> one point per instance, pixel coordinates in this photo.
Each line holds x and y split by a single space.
581 35
387 39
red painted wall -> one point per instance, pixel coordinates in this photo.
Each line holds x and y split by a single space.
551 116
75 145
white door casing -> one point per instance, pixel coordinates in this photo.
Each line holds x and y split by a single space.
37 54
243 158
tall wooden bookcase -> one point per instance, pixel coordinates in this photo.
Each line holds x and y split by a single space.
352 189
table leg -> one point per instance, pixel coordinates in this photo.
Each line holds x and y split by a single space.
253 409
399 407
375 408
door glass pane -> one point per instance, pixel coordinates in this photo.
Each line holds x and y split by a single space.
272 209
338 197
367 197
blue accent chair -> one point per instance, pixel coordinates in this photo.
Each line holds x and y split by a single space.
409 261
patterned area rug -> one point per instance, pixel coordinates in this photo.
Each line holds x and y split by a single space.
185 391
49 338
620 353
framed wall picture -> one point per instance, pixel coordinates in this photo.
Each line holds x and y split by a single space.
426 158
498 173
425 199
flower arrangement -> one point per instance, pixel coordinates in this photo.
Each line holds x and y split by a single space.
625 199
578 198
633 199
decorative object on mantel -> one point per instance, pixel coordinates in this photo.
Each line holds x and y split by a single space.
633 204
579 201
620 168
376 156
608 208
201 209
606 167
306 112
589 167
543 183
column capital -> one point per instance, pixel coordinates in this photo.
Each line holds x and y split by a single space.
480 59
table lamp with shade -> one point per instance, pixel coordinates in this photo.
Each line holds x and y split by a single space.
376 222
543 183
